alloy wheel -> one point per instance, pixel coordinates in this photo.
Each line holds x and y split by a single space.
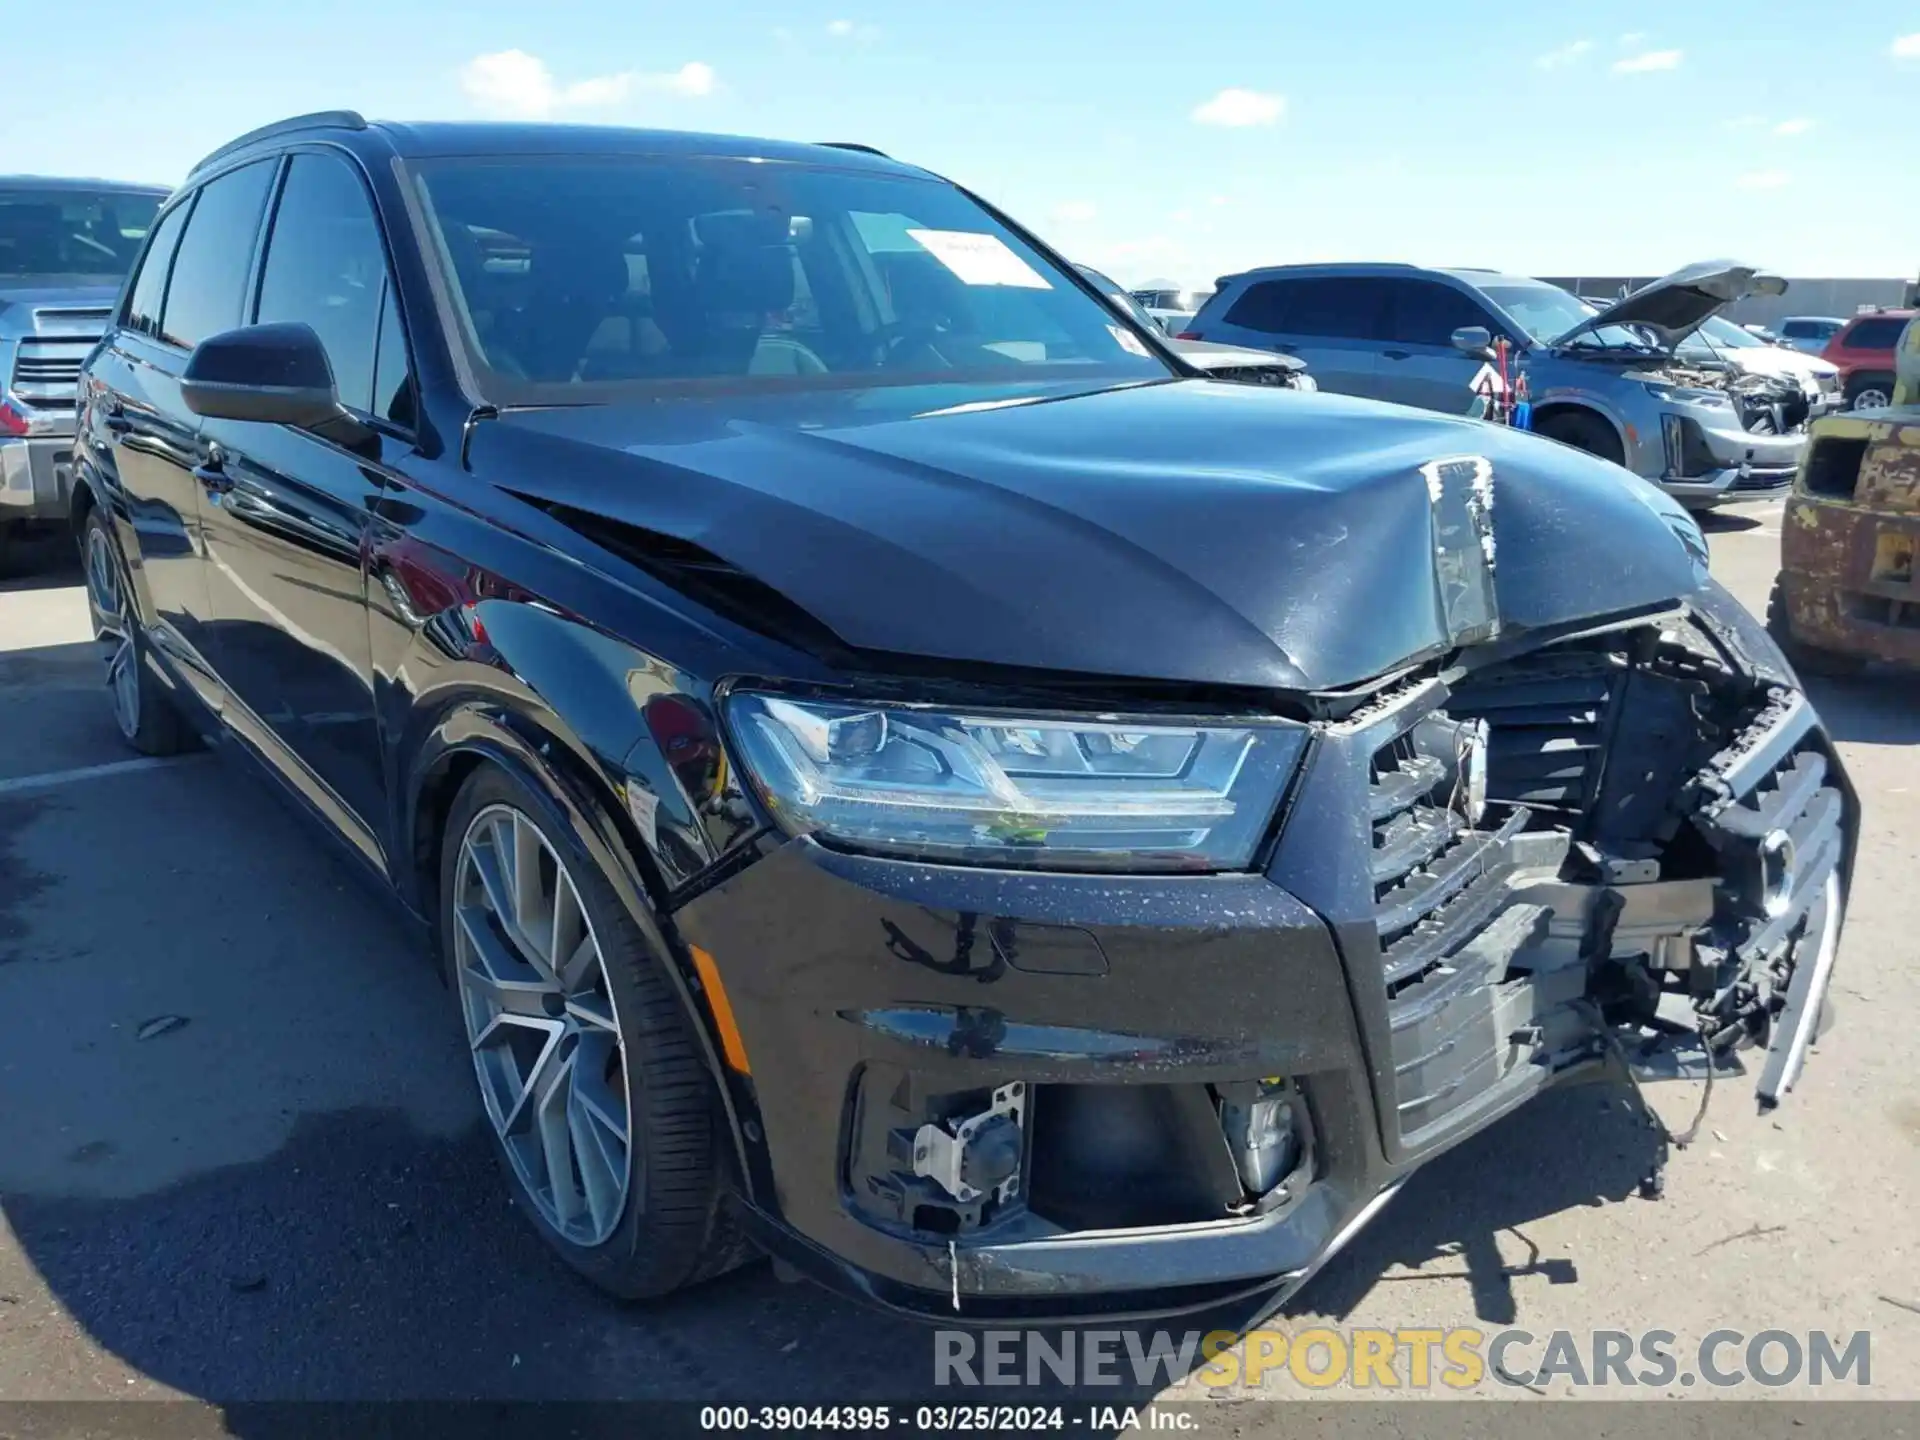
114 628
1872 398
542 1025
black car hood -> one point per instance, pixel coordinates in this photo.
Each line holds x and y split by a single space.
1181 531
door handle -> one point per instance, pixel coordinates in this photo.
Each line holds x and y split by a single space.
212 474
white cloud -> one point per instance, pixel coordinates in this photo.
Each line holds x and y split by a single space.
514 83
1764 180
1793 127
1076 210
1565 55
849 30
1236 107
1907 47
1633 38
1650 60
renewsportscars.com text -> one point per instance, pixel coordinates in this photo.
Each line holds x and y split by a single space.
1406 1359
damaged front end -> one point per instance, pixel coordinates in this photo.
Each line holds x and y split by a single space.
1099 1094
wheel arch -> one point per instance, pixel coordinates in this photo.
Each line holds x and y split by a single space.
1552 409
584 802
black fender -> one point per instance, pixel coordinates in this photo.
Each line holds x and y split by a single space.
579 804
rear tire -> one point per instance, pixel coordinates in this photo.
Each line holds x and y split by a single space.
143 709
1583 431
670 1225
1808 659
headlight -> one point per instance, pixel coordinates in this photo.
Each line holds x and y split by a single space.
1303 381
1684 395
1054 791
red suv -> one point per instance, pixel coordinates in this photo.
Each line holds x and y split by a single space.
1863 349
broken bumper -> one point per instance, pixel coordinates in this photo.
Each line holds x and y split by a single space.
1398 978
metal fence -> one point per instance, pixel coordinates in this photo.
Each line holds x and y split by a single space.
1804 296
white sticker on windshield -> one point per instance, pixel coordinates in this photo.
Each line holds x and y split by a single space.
980 259
1128 340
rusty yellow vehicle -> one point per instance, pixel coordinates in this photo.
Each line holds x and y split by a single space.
1848 592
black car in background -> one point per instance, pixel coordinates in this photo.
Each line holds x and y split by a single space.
895 767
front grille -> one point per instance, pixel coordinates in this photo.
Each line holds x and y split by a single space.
1446 926
46 371
1547 719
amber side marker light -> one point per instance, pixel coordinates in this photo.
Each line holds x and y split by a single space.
731 1045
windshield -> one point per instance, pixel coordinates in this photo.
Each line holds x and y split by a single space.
1546 312
1723 334
65 234
575 278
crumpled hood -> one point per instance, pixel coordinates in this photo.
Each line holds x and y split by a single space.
1680 303
1182 531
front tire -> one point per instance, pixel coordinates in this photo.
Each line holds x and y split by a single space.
603 1115
142 708
1808 659
1870 392
1583 431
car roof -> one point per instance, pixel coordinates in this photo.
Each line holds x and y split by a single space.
417 140
76 182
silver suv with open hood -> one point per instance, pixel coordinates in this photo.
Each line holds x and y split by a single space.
1607 381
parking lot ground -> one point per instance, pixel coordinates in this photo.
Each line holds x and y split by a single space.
240 1159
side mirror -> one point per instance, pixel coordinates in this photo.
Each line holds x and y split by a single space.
1474 340
269 374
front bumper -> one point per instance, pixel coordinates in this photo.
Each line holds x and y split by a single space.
36 477
1711 462
1407 1009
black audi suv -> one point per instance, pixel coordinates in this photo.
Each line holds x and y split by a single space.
897 768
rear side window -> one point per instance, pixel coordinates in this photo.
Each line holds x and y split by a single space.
210 271
327 268
1879 333
1423 312
1263 307
1808 329
150 285
1339 307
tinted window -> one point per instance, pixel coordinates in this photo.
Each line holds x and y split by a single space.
1263 307
633 271
1427 313
63 232
1805 330
1340 307
150 287
210 272
1879 333
392 392
326 267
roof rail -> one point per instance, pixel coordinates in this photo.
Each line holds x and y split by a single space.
318 120
854 145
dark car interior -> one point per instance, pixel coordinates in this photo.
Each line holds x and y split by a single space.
607 273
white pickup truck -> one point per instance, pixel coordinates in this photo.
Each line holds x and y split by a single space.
65 247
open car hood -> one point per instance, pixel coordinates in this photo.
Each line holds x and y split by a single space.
1678 304
1209 355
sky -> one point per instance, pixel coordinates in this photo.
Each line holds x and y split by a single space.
1156 142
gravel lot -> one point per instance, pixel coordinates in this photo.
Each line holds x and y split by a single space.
241 1160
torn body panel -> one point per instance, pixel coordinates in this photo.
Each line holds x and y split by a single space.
1848 545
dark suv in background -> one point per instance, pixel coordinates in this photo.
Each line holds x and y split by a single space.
892 763
65 246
